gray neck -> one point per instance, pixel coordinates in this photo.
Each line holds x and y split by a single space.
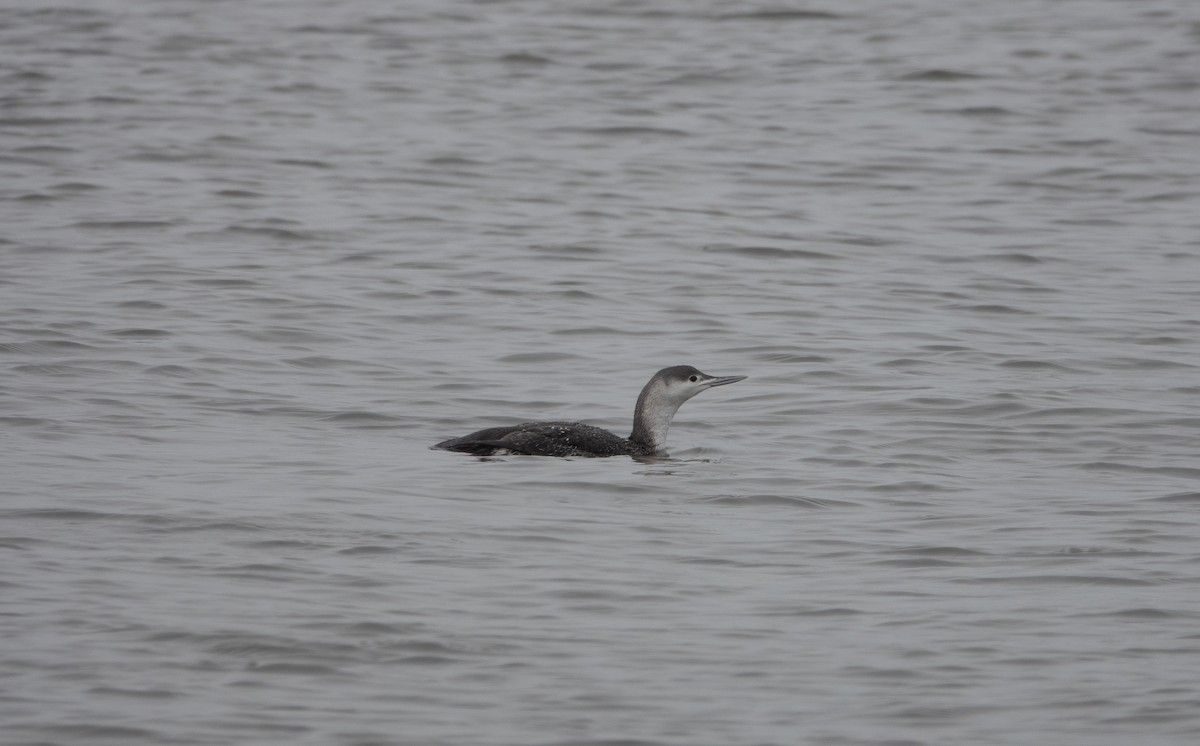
652 416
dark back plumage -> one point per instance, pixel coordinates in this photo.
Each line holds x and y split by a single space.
657 403
544 439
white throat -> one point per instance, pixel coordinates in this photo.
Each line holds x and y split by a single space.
656 407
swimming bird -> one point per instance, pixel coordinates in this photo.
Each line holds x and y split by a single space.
656 406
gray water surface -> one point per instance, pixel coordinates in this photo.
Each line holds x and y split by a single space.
256 257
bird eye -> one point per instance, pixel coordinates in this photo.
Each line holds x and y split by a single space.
693 379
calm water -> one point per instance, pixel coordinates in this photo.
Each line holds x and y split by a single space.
257 257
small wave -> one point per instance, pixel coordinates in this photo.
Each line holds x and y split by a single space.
768 252
1148 613
205 526
916 562
1167 471
175 371
143 305
790 501
525 58
908 487
908 362
16 421
71 515
238 194
538 357
40 121
92 733
1173 132
306 669
1012 257
364 629
1035 365
625 131
453 160
1141 363
304 163
139 333
1179 497
425 660
261 567
1056 413
590 330
112 691
360 417
76 186
1164 340
268 232
984 111
319 361
1085 580
123 225
368 549
791 357
1167 197
814 611
996 308
931 551
29 76
781 14
940 75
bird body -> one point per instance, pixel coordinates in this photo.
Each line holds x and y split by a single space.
656 407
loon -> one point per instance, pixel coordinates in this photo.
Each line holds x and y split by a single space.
656 405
